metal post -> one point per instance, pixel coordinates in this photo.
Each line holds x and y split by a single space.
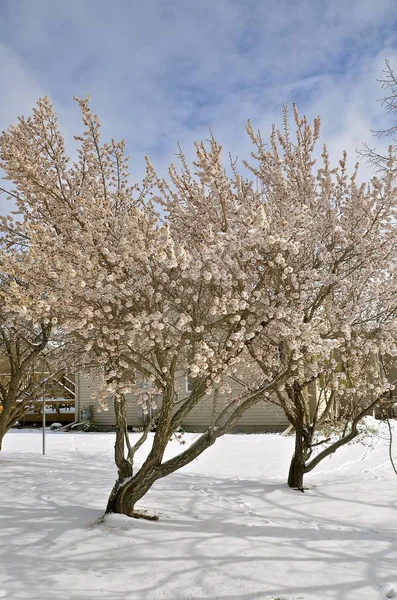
43 422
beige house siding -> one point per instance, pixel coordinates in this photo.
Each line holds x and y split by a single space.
86 389
393 377
261 417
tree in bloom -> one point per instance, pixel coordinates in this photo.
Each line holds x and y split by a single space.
150 279
334 277
279 286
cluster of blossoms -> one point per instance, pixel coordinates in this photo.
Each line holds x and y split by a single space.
206 266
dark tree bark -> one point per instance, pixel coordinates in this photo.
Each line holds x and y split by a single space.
296 473
301 463
3 427
297 465
129 490
302 440
19 390
9 396
127 493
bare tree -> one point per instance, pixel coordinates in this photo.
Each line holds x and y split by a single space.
376 158
21 380
33 351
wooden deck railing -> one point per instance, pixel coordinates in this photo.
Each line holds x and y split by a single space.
58 385
56 411
59 392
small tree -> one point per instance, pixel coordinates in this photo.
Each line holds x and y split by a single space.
335 279
21 382
32 348
24 343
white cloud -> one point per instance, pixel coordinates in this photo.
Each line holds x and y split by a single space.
165 71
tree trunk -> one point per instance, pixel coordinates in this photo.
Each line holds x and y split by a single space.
124 466
129 489
296 473
4 424
298 462
128 492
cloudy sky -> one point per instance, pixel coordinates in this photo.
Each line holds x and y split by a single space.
164 71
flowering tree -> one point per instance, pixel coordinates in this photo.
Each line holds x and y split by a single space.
335 281
148 279
276 286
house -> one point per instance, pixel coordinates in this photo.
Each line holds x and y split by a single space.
259 418
263 417
58 392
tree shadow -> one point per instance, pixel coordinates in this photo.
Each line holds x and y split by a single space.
219 539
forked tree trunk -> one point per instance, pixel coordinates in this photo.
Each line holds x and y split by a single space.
130 488
301 463
127 493
124 465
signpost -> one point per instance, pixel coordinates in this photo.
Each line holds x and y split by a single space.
43 422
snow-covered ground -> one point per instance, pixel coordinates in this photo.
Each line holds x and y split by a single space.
229 527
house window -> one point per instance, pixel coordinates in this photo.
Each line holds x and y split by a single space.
190 382
146 416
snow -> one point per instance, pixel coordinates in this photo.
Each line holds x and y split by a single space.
229 528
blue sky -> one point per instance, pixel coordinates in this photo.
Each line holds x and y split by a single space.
164 71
